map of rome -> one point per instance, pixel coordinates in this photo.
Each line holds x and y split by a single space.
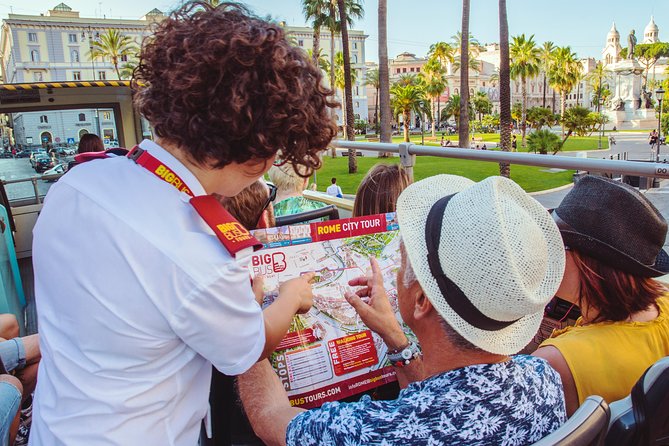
329 353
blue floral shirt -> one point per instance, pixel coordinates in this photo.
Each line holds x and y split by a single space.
512 403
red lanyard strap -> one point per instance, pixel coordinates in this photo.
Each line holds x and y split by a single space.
229 231
155 166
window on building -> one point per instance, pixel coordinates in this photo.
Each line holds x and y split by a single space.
32 37
106 116
44 119
484 83
357 104
34 56
418 70
37 76
354 58
357 90
72 38
76 75
82 117
398 70
355 45
74 55
404 70
102 75
411 69
124 58
300 42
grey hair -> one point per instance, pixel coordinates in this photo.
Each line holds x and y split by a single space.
459 342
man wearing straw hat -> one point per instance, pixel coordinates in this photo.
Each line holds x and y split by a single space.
479 263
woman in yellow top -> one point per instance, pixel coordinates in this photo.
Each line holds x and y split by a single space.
613 240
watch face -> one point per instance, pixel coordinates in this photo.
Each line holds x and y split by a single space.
406 353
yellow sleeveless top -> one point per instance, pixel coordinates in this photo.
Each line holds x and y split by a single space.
608 358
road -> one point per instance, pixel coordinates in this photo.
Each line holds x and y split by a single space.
13 169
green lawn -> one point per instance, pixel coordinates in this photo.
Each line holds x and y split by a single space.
529 178
573 144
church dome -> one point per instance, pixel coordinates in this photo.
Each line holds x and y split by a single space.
650 34
651 27
613 32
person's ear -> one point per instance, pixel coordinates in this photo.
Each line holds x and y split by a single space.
422 305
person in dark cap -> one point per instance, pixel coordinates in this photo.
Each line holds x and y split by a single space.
613 240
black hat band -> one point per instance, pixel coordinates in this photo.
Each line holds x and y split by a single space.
453 295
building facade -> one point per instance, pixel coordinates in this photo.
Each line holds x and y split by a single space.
56 46
303 37
63 127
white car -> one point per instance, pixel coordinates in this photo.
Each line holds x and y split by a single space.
58 169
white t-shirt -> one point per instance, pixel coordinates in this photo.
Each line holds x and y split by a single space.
334 190
136 297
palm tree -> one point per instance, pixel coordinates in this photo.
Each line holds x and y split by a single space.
340 73
384 78
316 12
474 45
319 59
563 75
481 104
463 125
405 100
444 53
372 79
543 141
451 108
348 87
504 88
598 79
524 65
353 9
546 59
433 79
115 46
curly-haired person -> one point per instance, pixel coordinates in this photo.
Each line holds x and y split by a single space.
152 298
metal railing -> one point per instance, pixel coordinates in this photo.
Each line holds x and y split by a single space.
408 151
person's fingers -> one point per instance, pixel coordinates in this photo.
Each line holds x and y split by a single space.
363 292
358 281
309 276
358 305
376 270
257 287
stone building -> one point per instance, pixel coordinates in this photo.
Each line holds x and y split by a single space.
55 47
304 38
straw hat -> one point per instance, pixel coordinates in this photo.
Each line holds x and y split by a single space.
488 256
613 223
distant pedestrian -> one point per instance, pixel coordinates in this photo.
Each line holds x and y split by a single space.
652 138
484 147
514 144
334 190
612 141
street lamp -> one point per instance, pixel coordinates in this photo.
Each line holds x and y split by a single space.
659 94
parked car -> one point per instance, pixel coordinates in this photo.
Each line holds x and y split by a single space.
35 154
50 174
6 154
66 151
42 163
23 154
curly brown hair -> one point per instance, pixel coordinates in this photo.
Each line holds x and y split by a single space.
225 86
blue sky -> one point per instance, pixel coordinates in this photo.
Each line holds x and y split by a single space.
414 25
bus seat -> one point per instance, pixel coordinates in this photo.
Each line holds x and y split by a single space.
643 417
586 427
330 211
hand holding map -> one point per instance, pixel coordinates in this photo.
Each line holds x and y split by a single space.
376 313
299 288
